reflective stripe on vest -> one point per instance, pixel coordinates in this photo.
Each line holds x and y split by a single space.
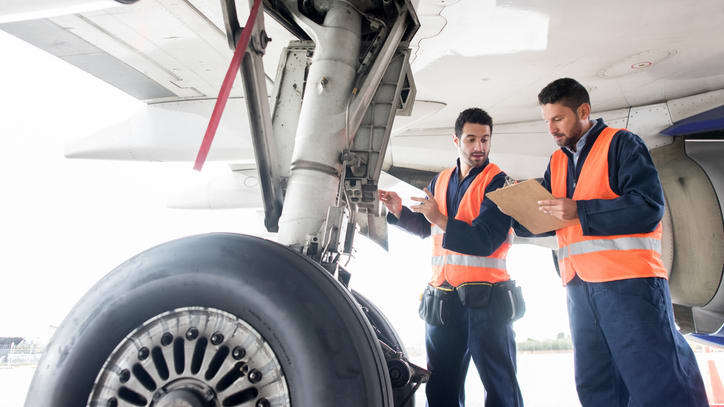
601 258
457 268
599 245
467 260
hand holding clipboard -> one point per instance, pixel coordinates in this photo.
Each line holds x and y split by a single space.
521 202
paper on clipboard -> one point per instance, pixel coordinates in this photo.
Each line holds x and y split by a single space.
521 202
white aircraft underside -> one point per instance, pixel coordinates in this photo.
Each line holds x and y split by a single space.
647 64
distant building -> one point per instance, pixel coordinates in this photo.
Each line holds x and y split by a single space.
6 344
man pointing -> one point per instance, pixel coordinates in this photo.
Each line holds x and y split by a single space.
464 305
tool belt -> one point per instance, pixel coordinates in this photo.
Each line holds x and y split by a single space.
435 305
506 297
509 297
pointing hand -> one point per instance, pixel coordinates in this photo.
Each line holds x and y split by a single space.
392 201
428 207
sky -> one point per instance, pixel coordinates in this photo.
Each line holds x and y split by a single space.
65 223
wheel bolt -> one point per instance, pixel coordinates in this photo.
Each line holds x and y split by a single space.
192 334
125 375
166 339
209 395
217 338
143 353
263 403
112 402
255 376
238 353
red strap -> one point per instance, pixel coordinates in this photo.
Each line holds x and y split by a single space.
226 87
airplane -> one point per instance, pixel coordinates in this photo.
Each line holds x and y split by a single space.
346 96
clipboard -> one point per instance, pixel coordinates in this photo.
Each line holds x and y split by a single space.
521 202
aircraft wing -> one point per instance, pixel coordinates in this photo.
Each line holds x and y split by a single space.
156 51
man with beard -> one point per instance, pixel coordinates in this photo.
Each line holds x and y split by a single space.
467 304
627 350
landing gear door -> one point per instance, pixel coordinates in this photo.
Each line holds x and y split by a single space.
395 95
287 98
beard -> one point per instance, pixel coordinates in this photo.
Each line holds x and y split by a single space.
473 162
570 140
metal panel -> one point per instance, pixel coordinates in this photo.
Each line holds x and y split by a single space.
648 122
692 105
118 74
287 104
52 38
370 142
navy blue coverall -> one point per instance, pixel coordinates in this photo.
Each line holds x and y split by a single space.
479 333
627 350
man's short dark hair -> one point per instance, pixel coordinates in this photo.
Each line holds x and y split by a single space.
472 115
566 91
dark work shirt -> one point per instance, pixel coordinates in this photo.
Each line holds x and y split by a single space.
482 237
632 175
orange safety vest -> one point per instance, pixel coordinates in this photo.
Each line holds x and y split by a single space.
601 258
457 268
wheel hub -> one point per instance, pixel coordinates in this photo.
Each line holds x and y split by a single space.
192 357
181 398
185 393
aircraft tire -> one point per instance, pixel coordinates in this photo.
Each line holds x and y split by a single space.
306 321
403 396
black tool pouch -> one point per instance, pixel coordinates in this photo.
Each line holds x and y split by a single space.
435 306
474 294
509 298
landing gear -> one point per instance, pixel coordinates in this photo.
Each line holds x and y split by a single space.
231 320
